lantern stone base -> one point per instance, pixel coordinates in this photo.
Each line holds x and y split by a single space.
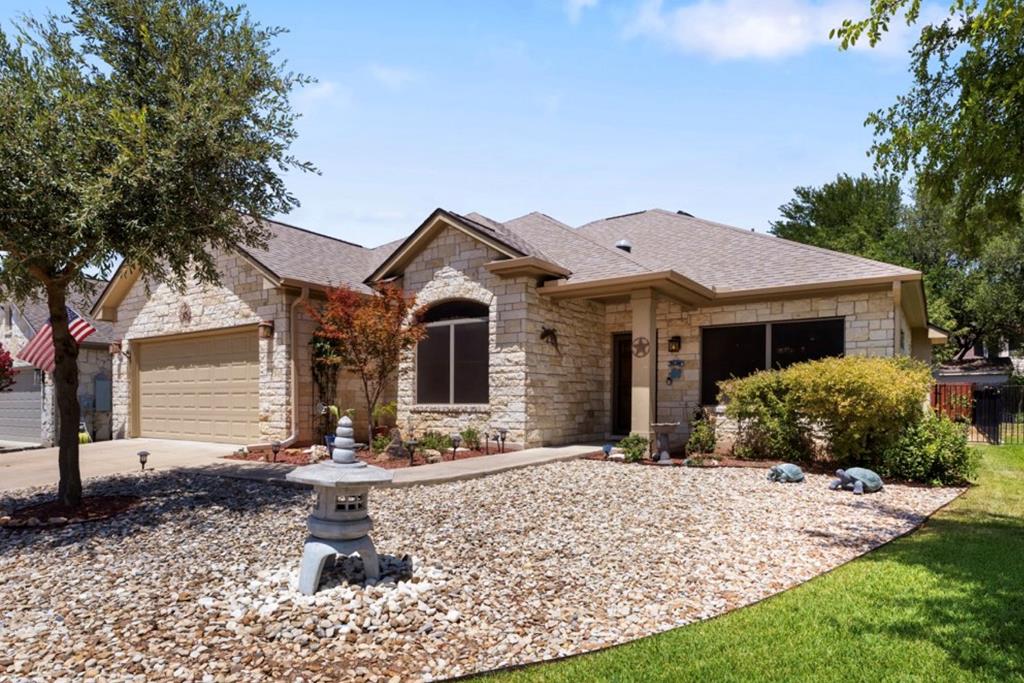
318 550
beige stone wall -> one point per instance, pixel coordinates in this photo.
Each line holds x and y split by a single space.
244 297
452 267
566 387
869 331
93 363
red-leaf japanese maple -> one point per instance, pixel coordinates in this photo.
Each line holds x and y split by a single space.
6 369
370 333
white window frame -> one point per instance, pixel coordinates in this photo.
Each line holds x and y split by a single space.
451 359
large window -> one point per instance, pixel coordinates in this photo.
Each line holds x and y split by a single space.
740 350
452 361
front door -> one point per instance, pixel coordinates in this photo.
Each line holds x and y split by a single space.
622 382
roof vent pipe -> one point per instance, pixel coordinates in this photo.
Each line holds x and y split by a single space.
624 245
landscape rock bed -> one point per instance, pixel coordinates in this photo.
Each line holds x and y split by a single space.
197 582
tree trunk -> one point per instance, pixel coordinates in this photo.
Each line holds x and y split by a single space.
65 385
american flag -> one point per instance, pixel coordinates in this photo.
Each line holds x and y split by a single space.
39 351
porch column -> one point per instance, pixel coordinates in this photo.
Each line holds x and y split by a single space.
645 335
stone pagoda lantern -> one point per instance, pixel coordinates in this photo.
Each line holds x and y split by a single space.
340 523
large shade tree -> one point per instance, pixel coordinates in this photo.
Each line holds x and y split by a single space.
960 128
157 131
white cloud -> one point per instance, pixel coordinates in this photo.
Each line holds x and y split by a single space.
320 94
392 78
575 8
757 29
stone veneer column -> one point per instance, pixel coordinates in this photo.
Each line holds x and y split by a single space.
645 321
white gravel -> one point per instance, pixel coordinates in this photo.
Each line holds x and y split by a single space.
197 583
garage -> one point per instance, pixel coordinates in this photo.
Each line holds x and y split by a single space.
200 388
21 409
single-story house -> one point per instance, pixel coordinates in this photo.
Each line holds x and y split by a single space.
28 413
553 333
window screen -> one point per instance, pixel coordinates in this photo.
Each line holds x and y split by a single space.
452 362
806 340
433 366
729 352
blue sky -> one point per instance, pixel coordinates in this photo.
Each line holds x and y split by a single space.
577 108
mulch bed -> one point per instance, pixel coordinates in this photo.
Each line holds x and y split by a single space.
299 456
55 514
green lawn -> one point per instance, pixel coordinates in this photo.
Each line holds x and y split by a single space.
945 603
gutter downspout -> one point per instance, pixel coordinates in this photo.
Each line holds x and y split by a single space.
293 355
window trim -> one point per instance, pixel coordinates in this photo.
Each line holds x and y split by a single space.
451 361
767 340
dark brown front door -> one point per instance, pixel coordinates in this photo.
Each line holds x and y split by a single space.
622 382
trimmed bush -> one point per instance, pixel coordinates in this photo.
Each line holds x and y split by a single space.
435 441
934 450
769 426
635 447
862 405
857 408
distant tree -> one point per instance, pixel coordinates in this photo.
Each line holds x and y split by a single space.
857 215
6 369
369 335
960 128
142 129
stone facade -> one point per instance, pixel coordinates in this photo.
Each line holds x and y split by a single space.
548 395
244 297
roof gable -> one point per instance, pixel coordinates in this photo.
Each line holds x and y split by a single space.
480 228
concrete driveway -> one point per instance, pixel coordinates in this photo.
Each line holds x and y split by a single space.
38 467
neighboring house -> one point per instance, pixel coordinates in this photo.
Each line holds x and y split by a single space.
555 334
28 413
216 362
977 370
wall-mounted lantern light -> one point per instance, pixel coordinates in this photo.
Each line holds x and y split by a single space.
266 329
114 348
675 344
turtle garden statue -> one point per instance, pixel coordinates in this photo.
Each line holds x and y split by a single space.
786 473
858 480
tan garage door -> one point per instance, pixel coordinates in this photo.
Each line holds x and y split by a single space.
201 388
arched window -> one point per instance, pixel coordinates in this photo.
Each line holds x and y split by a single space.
452 360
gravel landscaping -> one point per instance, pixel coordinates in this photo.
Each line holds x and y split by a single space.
197 582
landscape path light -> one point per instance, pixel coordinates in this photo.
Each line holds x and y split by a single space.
143 457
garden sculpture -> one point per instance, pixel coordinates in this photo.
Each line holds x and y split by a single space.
786 473
858 480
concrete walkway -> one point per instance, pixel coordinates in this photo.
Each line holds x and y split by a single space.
421 475
38 467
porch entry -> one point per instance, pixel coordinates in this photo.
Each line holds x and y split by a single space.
622 382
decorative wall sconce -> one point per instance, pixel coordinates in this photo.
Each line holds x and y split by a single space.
114 348
550 335
266 329
675 344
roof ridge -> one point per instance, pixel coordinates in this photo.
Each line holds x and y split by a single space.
575 231
312 232
763 235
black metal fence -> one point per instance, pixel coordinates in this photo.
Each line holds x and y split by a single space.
995 413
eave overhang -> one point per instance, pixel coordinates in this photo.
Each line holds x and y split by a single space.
668 283
527 265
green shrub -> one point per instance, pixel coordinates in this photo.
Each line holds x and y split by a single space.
470 438
385 413
380 443
702 434
859 407
769 425
933 450
863 405
635 447
435 441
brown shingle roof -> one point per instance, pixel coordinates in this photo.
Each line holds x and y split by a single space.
571 249
727 258
295 253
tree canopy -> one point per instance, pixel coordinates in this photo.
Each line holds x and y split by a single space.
960 128
154 131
